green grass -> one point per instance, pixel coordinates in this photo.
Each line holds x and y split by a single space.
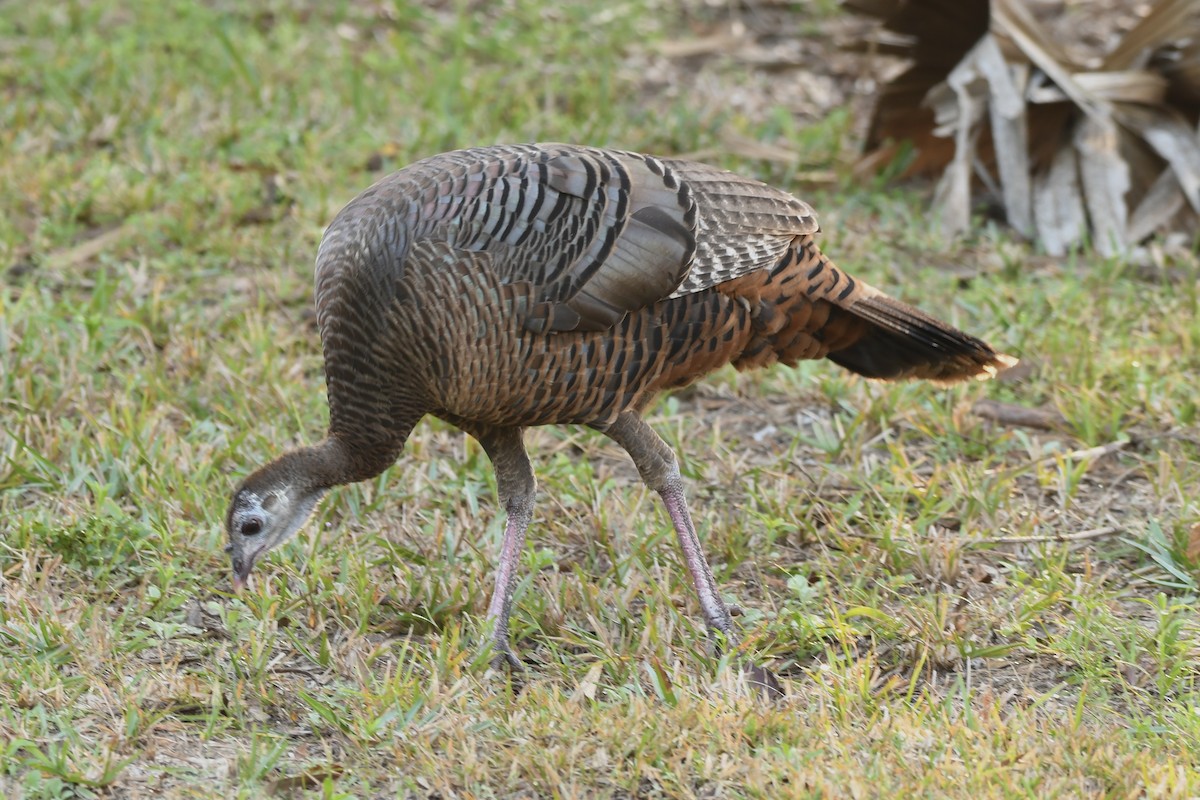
166 171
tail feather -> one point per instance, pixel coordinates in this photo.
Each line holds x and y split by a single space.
877 336
805 307
904 342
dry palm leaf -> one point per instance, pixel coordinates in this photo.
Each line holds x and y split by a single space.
1101 148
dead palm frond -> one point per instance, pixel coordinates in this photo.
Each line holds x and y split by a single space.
1104 148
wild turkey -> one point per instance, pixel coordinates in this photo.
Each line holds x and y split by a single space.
503 287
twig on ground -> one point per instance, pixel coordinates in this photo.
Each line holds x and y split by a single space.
1094 533
1011 414
1096 452
88 248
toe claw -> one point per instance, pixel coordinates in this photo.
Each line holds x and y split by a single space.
504 660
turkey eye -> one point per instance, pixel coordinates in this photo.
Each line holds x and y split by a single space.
252 526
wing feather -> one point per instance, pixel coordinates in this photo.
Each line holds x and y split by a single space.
596 233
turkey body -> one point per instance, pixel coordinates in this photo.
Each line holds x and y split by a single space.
477 286
505 287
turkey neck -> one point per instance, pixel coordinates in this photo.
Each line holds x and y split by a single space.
375 391
331 462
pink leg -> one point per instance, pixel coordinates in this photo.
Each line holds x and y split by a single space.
716 614
520 511
660 470
515 483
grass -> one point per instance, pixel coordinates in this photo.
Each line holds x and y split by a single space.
166 171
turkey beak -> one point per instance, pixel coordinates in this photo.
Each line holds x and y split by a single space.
241 573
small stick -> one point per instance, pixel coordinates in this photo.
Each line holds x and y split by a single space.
1012 414
1089 452
1074 455
1093 533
